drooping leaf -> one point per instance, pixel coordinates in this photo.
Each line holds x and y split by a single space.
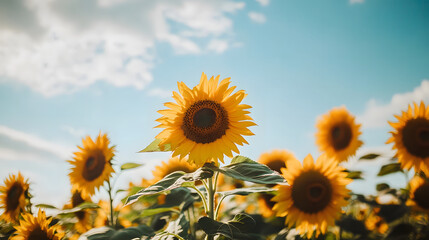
102 233
181 197
369 156
153 211
243 168
246 191
171 181
130 165
46 206
354 175
389 168
154 147
178 227
80 207
382 186
132 233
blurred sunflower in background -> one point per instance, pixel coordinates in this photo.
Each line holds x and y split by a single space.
266 204
174 164
91 165
411 138
102 215
84 217
315 194
276 159
419 194
39 228
206 122
13 197
337 134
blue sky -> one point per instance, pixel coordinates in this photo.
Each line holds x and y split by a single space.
73 68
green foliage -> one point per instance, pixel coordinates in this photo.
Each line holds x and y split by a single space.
46 206
370 156
246 191
179 227
154 147
130 165
389 168
107 233
80 207
355 175
382 187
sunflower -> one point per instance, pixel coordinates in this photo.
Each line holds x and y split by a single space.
419 194
206 122
13 197
376 223
102 218
266 204
84 217
92 165
173 165
316 193
276 159
36 228
337 134
411 138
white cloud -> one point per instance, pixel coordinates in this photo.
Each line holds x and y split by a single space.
257 17
75 132
7 154
34 141
356 1
377 114
218 46
160 92
57 47
263 2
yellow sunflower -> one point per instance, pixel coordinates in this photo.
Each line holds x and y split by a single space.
84 217
419 194
316 193
92 165
31 227
206 122
411 138
13 197
337 134
276 159
103 215
173 165
376 223
266 204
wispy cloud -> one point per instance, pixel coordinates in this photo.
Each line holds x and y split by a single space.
218 45
34 141
377 114
159 92
356 1
257 17
263 2
75 132
63 49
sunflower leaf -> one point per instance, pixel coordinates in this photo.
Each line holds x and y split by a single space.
130 165
389 168
46 206
243 168
155 147
101 233
382 186
132 233
369 156
154 211
354 174
246 191
171 181
80 207
179 227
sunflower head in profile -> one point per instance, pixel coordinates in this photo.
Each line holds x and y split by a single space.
419 194
337 134
411 138
13 197
32 228
206 122
173 165
316 193
84 217
91 165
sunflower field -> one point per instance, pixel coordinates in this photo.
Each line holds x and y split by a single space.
206 190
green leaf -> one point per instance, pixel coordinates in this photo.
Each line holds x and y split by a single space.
80 207
179 227
389 168
130 165
171 181
102 233
369 156
392 212
154 147
154 211
382 186
354 174
132 233
238 228
350 224
246 191
243 168
47 206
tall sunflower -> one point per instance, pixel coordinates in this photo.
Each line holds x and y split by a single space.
92 165
84 217
206 122
337 134
316 193
419 194
174 164
13 197
36 228
411 138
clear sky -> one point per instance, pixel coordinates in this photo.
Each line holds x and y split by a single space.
76 67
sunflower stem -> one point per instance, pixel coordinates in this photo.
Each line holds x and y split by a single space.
211 192
203 198
218 207
112 222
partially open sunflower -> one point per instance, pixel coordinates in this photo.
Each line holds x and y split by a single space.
411 138
337 134
36 228
84 217
276 159
316 193
419 194
174 164
13 197
92 165
206 122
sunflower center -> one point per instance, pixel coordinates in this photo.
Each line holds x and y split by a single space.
341 135
12 199
276 165
267 199
415 136
205 121
421 195
38 234
94 166
311 192
76 201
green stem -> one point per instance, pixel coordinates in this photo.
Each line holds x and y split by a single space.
112 222
218 207
203 198
211 194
